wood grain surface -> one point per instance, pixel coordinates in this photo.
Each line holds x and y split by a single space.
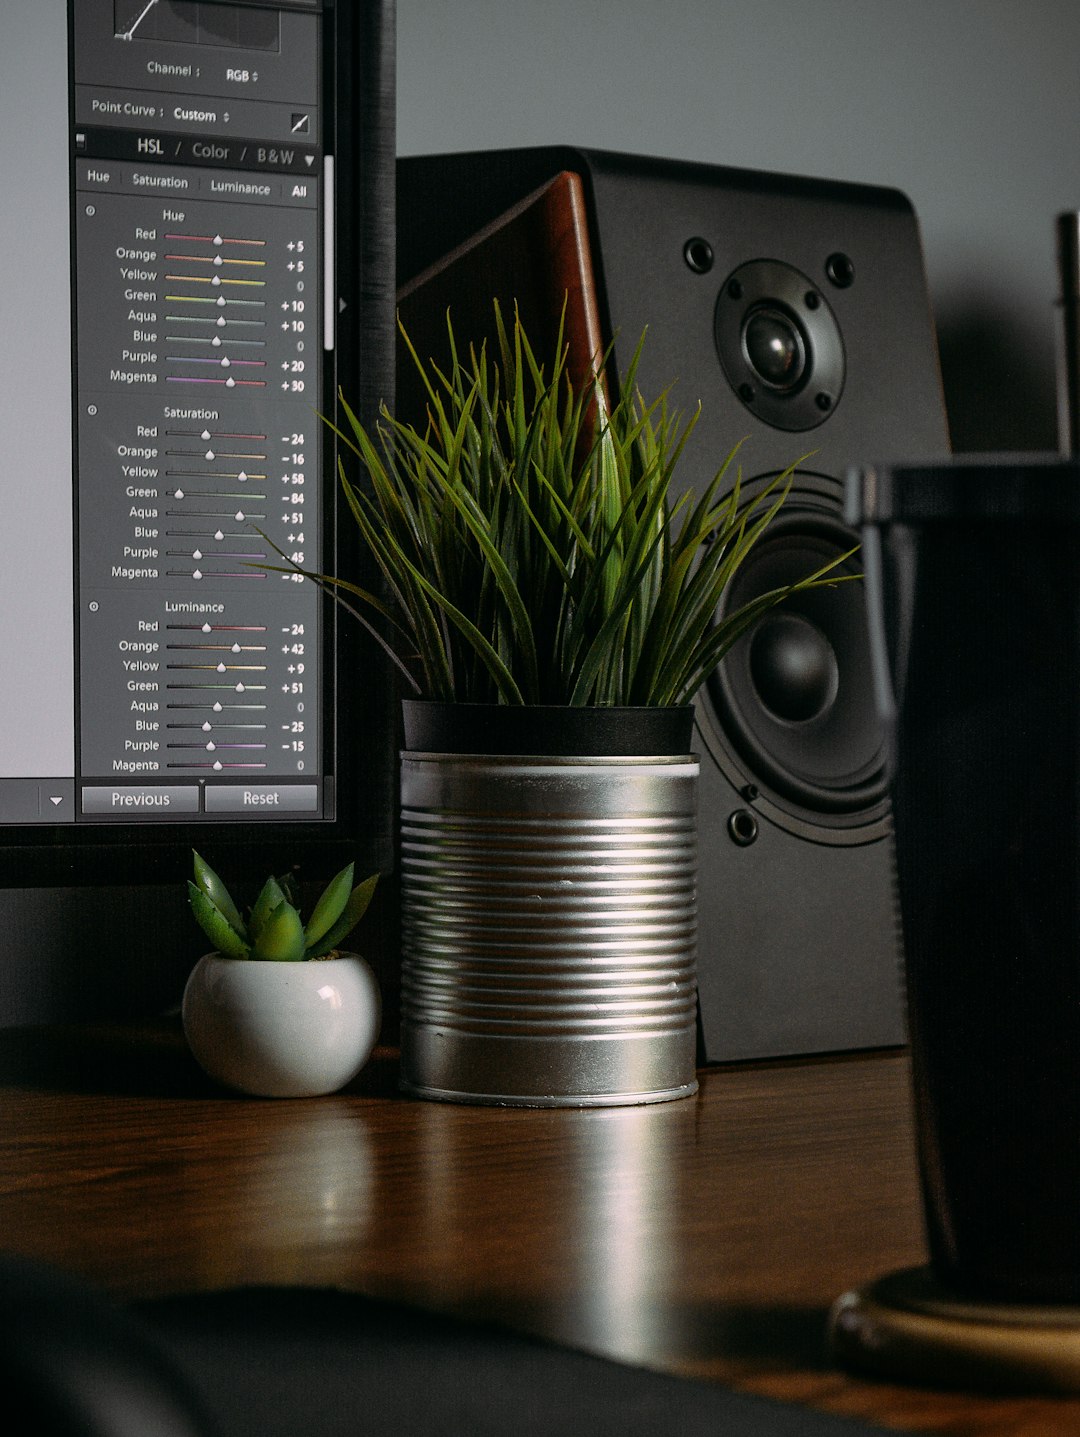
707 1236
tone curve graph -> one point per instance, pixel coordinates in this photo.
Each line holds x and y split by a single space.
186 22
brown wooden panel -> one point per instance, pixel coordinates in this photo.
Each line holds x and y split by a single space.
536 257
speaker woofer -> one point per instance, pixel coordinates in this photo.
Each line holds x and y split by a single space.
794 694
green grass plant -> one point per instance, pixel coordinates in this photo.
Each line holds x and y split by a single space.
530 547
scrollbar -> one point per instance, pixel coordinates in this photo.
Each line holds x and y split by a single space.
329 276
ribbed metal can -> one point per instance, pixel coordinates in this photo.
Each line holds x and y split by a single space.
549 928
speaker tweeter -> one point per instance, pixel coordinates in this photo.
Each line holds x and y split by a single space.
779 344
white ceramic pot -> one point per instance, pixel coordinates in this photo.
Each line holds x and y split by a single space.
282 1030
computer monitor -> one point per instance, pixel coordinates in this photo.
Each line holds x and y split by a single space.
197 230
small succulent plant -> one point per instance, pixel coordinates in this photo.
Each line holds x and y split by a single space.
273 928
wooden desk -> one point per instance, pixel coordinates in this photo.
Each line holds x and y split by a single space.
705 1237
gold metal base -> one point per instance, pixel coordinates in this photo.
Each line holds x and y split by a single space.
906 1326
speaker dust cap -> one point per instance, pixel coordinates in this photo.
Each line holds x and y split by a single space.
779 344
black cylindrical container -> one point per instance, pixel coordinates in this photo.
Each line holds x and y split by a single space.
973 582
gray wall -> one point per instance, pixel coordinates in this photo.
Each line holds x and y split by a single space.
971 107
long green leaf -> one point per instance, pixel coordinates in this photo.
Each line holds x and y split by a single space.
355 908
330 906
215 925
281 939
210 884
270 895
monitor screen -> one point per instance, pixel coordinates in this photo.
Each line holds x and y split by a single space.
183 183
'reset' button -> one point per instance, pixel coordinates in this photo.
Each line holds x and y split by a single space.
262 798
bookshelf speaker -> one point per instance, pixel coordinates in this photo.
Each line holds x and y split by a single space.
796 312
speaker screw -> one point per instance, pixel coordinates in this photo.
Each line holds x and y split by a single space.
823 402
811 299
734 289
746 393
742 826
749 792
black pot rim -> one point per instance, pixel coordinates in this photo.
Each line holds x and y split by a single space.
548 730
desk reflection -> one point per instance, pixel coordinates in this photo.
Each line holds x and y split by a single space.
581 1230
299 1183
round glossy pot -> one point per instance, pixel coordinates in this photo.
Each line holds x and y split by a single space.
282 1030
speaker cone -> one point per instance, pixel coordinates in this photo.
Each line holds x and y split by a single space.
794 695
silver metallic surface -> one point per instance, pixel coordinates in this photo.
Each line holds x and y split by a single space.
549 919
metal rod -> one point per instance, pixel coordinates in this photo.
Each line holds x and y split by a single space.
1068 256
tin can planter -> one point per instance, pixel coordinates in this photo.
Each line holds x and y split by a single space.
549 910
